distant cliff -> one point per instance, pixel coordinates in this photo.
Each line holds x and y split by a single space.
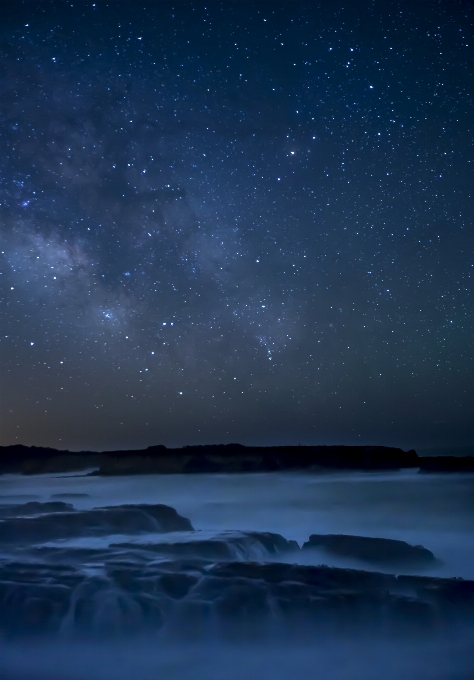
39 459
209 458
447 464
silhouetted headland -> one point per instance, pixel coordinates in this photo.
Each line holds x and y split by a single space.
447 464
224 458
209 458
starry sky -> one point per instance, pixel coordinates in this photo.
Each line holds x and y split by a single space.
237 222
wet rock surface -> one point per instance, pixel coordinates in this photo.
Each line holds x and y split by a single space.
381 551
224 546
123 598
70 523
446 464
34 508
195 584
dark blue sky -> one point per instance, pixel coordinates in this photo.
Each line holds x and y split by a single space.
237 221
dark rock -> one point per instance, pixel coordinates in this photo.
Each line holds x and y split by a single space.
141 464
225 546
166 517
177 585
446 464
236 458
239 606
239 597
209 458
33 609
382 551
37 573
13 457
151 607
34 598
99 607
34 508
202 464
243 600
125 519
323 578
454 596
62 463
273 543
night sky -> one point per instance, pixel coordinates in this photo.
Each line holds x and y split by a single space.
237 222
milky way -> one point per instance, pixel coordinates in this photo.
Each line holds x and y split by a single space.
237 221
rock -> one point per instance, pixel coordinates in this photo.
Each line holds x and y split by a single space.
322 577
382 551
30 609
34 508
230 458
123 519
59 463
454 596
236 598
208 458
177 585
166 517
446 464
141 464
97 606
231 545
34 599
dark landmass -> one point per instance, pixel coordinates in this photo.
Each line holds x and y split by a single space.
447 464
381 551
227 458
238 458
458 451
212 458
39 459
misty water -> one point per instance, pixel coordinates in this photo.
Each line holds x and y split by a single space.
436 511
